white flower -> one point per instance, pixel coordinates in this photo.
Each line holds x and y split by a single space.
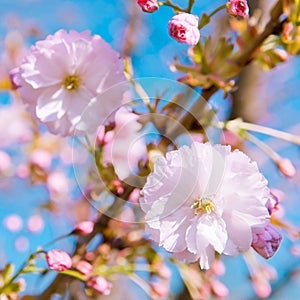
204 199
64 74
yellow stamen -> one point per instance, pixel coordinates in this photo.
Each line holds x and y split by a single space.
71 82
203 205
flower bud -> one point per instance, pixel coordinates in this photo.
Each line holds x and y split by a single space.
219 289
238 8
13 76
100 285
286 167
58 260
148 6
84 228
184 28
266 240
84 267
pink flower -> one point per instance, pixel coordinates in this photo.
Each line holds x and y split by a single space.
184 28
84 228
100 284
5 162
35 224
219 289
204 199
13 223
124 145
63 74
19 129
58 260
84 267
58 186
238 8
41 158
148 5
266 240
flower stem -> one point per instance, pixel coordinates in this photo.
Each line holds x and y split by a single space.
169 3
190 6
264 147
217 10
268 131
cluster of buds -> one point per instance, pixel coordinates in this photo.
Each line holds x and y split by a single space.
184 27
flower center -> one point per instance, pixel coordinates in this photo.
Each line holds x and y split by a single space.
203 206
71 82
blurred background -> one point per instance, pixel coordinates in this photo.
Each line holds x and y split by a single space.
270 98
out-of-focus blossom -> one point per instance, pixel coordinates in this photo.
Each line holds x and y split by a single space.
23 171
204 199
184 28
58 186
22 244
63 74
148 5
41 158
261 287
124 146
286 167
35 224
134 196
19 129
58 260
12 55
13 223
266 240
159 289
100 285
84 227
219 289
218 267
238 8
84 267
5 162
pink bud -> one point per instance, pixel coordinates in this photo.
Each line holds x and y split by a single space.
160 289
100 284
35 224
84 228
100 134
14 81
184 28
134 196
266 240
84 267
238 8
219 289
286 167
58 260
261 287
148 6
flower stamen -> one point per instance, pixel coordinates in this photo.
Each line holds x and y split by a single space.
203 206
71 82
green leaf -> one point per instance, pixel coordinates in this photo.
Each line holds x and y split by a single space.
8 272
205 19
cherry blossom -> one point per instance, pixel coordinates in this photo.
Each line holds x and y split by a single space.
202 199
63 74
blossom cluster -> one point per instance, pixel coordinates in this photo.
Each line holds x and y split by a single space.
198 200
